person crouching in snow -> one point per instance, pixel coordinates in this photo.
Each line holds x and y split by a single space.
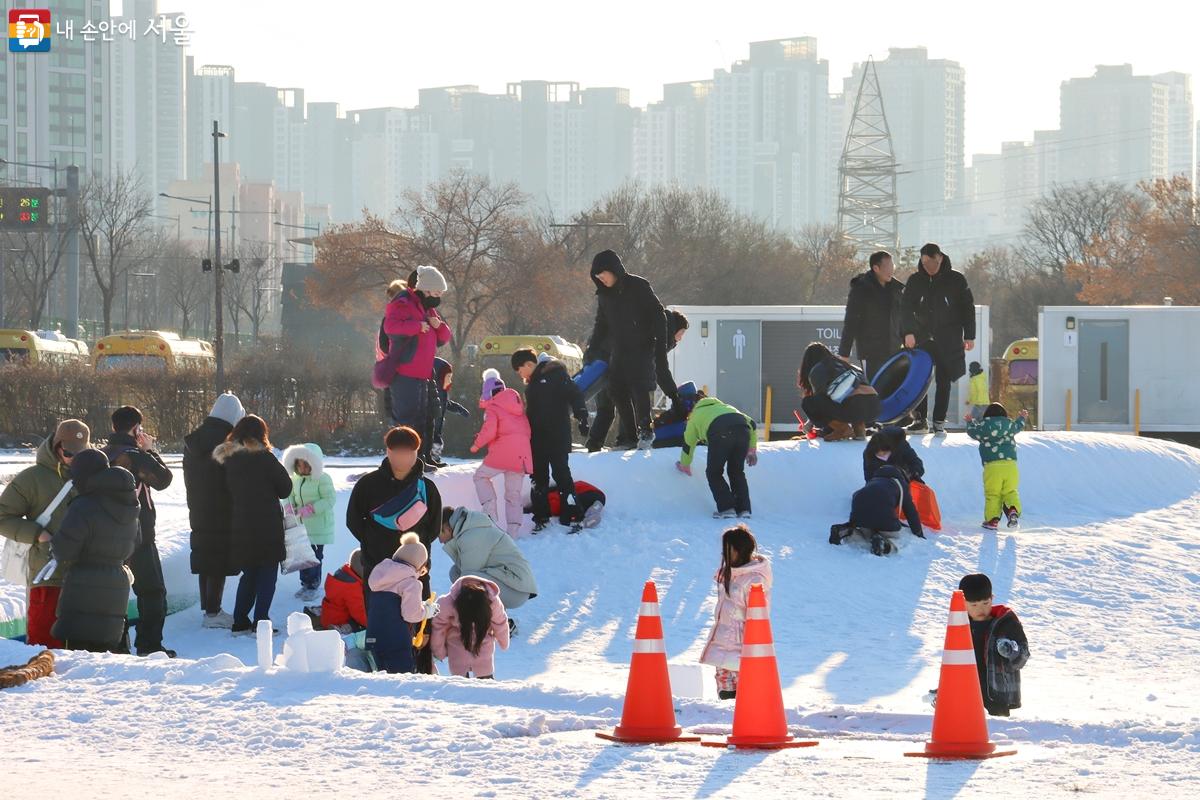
312 498
396 604
889 445
873 511
742 566
1001 648
469 626
997 437
732 444
505 434
589 504
343 608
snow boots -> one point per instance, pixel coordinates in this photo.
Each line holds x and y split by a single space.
1014 516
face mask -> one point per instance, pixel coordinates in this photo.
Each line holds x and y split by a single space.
883 456
432 302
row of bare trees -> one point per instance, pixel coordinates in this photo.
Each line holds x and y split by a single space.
122 244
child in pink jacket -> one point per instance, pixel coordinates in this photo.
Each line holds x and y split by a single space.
741 567
469 625
395 604
505 434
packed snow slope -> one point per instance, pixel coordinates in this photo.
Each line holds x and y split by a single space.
1104 573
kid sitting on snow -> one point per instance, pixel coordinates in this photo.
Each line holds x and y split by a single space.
996 434
1001 648
395 603
343 608
471 623
741 567
873 511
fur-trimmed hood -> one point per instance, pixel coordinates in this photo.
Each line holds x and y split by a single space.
223 451
305 452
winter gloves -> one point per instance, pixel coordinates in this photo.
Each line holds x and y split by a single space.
584 428
305 511
752 457
431 608
686 470
1008 648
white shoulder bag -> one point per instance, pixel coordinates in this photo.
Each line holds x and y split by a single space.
14 557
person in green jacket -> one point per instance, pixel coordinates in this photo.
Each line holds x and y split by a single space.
477 547
996 434
978 396
732 443
23 501
313 499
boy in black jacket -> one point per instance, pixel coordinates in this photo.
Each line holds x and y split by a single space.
551 398
1001 649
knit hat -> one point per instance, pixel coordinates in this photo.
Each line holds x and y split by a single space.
411 551
73 434
430 280
228 408
975 368
356 561
88 463
607 261
492 385
975 587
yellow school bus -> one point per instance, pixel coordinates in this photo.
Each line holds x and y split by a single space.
162 351
1021 361
41 347
496 351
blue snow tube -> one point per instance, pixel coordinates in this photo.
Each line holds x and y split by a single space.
902 383
671 433
592 379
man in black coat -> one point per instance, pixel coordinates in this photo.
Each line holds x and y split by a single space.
551 398
400 469
873 314
630 318
209 507
132 448
939 317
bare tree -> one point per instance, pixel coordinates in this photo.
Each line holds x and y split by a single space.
113 211
34 259
252 284
182 283
1061 226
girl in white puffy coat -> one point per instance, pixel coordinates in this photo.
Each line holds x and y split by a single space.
741 567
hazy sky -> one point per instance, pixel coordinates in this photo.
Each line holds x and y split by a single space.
364 54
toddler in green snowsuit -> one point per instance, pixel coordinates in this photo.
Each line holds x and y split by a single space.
996 434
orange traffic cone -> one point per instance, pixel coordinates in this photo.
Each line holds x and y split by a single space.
758 718
959 726
649 715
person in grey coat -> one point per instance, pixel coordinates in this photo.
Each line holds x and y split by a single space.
477 547
97 536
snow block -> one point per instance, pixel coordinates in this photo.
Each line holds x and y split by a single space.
266 645
307 650
688 680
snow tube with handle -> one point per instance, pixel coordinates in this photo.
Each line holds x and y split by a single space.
902 383
668 432
592 379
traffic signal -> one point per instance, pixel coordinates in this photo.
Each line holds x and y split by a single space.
234 266
206 264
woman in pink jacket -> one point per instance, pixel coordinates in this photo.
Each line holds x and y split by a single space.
505 433
415 331
741 567
469 625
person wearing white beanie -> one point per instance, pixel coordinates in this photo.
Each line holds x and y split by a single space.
228 408
431 281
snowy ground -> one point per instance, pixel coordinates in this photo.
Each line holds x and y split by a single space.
1105 575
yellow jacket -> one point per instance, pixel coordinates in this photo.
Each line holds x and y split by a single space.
978 395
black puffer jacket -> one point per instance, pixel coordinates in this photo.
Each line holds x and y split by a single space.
874 505
256 482
872 317
631 326
551 398
940 312
999 677
828 368
96 538
903 456
373 490
208 499
149 471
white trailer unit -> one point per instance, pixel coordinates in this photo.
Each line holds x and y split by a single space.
736 352
1119 368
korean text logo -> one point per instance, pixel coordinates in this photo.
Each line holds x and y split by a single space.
29 30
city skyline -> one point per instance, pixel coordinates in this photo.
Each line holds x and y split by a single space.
1007 99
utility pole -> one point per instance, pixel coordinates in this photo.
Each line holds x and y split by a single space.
72 246
218 266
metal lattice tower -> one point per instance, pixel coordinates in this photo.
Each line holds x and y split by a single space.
868 214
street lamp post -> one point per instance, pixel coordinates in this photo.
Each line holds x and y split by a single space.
219 267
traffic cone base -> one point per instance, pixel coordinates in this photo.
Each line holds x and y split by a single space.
947 751
648 716
756 743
